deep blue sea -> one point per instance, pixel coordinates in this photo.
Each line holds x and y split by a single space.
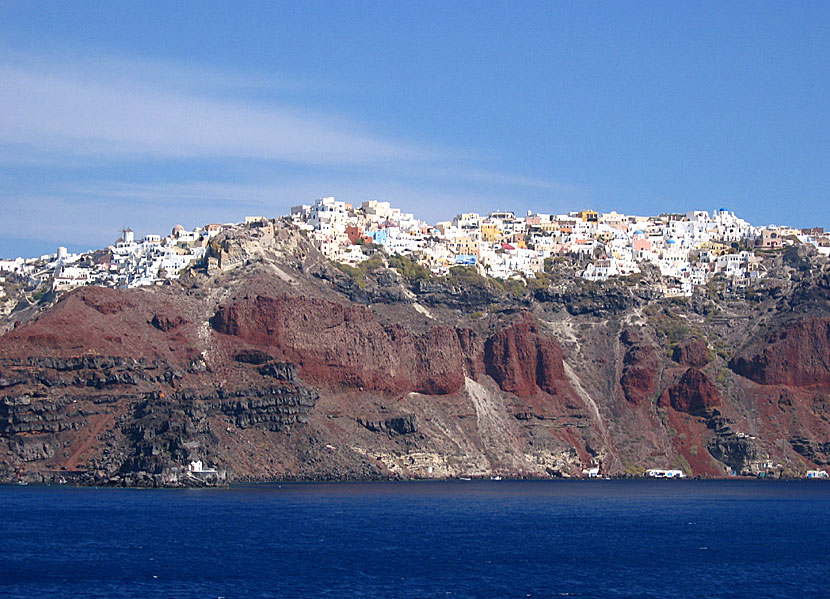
421 539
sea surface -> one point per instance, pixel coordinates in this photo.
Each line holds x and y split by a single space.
456 539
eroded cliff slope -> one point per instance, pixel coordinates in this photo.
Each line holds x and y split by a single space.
272 363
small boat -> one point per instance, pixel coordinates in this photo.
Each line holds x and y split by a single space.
464 478
22 483
495 478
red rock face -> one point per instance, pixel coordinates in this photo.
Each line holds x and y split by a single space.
353 358
638 382
798 355
693 434
439 362
166 322
692 352
692 394
106 301
638 379
344 345
522 361
472 346
104 321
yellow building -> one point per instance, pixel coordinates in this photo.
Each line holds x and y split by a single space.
490 232
548 227
713 247
464 245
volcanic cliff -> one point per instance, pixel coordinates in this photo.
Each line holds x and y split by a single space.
270 362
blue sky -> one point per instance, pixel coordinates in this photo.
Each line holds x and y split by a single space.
152 114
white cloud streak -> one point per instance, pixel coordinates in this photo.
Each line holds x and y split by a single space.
43 112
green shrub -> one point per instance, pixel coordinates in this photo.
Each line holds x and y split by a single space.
467 276
372 264
515 287
41 291
355 273
541 282
409 268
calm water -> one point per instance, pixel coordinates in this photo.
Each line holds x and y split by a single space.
442 539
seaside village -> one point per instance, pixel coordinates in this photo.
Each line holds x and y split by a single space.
688 249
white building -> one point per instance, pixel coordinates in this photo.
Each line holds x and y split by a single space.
69 277
662 473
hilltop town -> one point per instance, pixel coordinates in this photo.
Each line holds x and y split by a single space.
686 249
359 342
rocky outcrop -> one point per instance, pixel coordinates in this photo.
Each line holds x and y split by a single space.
693 393
797 355
640 363
88 371
400 425
740 452
32 448
31 415
336 344
472 349
524 361
692 352
282 371
816 451
345 345
593 301
272 406
465 297
166 322
253 356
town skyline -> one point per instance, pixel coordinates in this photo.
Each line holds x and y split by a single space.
47 247
686 250
240 219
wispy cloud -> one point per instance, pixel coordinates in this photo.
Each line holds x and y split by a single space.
42 113
107 108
